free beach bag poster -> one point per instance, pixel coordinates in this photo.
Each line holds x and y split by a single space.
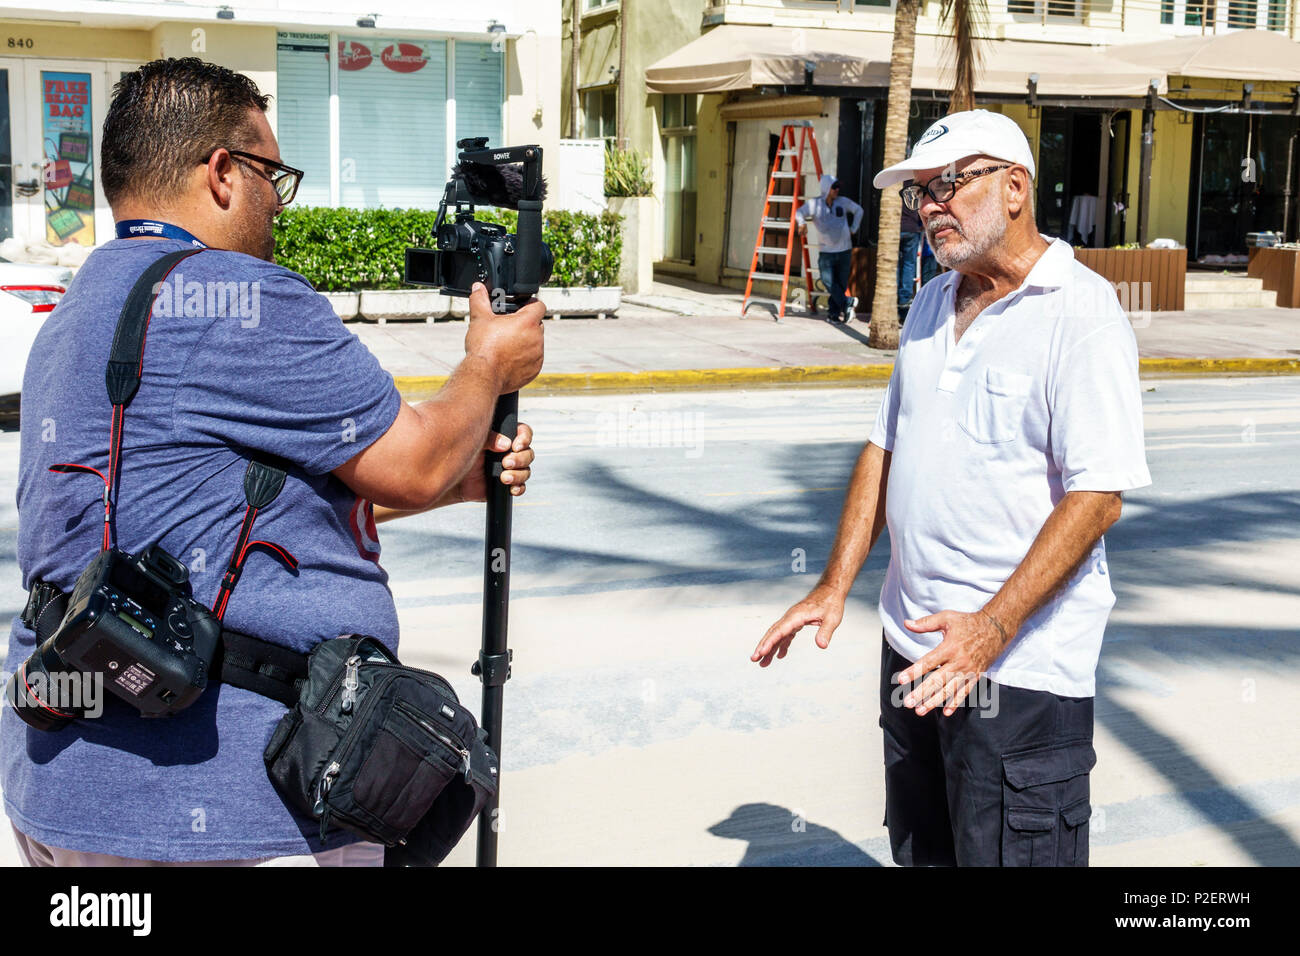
69 168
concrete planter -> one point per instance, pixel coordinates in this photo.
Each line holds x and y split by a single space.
346 304
403 304
599 301
640 228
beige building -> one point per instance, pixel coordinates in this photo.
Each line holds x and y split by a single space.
374 125
707 86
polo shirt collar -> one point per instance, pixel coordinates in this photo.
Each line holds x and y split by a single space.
1052 270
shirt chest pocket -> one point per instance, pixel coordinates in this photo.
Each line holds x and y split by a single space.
996 408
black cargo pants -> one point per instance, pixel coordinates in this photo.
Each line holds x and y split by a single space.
1002 784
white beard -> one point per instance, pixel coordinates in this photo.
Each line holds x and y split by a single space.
983 229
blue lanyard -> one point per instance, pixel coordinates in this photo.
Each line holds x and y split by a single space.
132 228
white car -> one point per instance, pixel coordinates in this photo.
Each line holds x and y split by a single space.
28 293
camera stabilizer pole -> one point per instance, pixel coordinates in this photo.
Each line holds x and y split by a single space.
524 193
489 177
493 665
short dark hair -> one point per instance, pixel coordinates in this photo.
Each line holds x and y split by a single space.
168 116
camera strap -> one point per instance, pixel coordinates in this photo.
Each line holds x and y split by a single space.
264 477
262 484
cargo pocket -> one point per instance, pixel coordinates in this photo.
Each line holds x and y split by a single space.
996 406
1045 805
1074 837
404 772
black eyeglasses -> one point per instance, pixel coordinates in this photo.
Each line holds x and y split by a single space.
943 187
284 178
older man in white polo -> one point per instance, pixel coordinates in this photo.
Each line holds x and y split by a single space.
1011 425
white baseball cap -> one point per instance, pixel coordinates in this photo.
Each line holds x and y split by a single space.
958 135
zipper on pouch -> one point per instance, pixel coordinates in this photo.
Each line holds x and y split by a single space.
350 684
321 808
446 736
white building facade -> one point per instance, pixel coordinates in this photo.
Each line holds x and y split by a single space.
374 126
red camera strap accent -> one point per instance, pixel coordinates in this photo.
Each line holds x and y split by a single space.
262 481
68 468
236 566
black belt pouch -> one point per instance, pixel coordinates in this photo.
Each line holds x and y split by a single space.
382 750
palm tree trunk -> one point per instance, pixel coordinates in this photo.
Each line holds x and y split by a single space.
884 305
966 20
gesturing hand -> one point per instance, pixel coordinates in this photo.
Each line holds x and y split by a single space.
823 606
970 645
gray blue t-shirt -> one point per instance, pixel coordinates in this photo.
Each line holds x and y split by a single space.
278 373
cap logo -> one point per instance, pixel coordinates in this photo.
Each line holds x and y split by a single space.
931 134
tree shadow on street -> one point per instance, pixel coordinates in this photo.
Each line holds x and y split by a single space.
654 539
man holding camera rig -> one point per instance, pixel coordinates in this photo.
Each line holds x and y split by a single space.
190 161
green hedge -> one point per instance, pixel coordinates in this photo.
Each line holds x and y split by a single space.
343 250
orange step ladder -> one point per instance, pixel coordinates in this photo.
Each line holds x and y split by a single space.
796 137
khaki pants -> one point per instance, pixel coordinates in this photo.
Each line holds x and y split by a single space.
35 853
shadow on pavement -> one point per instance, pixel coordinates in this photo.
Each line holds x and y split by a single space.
780 837
855 329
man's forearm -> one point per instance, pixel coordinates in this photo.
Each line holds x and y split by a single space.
1065 540
383 514
457 419
862 520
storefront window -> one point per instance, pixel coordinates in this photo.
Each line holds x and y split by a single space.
303 112
393 114
1225 204
392 122
679 113
480 91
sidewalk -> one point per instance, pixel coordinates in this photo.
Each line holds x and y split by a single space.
683 334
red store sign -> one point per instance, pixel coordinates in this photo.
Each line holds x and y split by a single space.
353 55
404 58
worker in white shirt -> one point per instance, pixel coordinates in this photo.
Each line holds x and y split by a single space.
1011 426
836 218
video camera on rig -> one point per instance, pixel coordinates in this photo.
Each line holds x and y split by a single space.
511 266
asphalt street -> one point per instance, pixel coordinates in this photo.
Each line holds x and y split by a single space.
662 534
